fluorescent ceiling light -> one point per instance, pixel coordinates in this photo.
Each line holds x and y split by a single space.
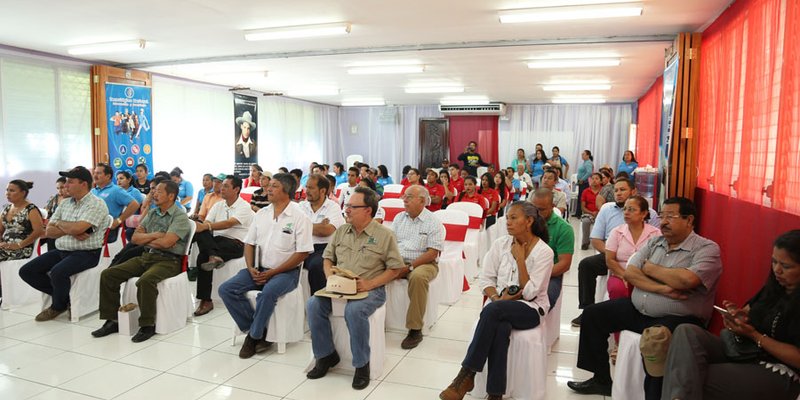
387 69
435 89
569 13
379 63
575 87
313 92
573 63
567 100
464 101
108 47
363 102
299 31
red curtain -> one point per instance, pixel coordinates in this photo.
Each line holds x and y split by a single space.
478 128
749 104
649 125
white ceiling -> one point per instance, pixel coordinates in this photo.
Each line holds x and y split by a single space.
459 41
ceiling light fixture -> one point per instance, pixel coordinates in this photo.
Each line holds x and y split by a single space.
573 63
575 87
464 101
363 102
299 31
435 89
387 69
108 47
570 13
579 99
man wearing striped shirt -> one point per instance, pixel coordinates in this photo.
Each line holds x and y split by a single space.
675 279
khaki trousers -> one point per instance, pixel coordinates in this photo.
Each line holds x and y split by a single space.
418 282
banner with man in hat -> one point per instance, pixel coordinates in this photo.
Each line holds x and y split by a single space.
245 110
130 139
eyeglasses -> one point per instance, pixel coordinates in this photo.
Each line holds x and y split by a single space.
664 216
352 206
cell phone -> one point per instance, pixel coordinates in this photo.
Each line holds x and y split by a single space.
722 310
89 231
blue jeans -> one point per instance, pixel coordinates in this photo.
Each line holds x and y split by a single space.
554 289
51 272
233 293
356 315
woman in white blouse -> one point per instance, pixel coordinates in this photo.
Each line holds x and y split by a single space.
515 274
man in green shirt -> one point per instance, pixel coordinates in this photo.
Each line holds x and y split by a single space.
164 233
562 241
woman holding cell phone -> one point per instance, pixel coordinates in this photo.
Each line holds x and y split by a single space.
697 366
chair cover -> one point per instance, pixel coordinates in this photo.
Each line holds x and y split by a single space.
223 273
397 302
16 292
451 261
472 240
174 305
341 339
629 371
390 207
553 319
527 365
392 191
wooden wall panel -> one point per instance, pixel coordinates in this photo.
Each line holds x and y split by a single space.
683 144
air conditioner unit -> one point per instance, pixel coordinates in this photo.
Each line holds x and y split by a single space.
481 109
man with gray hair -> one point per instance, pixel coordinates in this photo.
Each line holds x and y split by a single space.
420 238
284 232
562 241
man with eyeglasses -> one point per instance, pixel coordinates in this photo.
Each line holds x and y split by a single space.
675 280
549 179
348 188
562 241
369 250
326 217
420 237
220 237
609 217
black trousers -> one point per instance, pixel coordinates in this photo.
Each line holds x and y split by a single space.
316 273
583 186
210 245
129 251
601 319
588 270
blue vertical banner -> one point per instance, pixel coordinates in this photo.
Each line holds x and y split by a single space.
130 135
667 113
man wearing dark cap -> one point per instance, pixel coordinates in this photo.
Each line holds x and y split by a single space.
78 226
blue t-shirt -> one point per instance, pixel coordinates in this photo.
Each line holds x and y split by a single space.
383 181
185 189
201 194
629 168
116 198
538 167
585 170
136 194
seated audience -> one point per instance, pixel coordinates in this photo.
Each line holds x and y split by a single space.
449 188
78 226
260 197
420 238
164 232
255 176
436 191
517 299
369 250
628 163
140 181
120 204
503 190
606 194
220 237
208 188
471 195
589 208
340 173
348 188
413 177
383 176
455 177
326 216
562 241
52 205
124 180
282 233
21 222
675 279
185 188
549 179
696 365
209 199
492 197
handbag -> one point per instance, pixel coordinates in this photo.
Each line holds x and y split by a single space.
737 348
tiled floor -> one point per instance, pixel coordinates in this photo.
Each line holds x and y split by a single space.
60 360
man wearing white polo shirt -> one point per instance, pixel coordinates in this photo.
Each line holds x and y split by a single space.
220 237
283 232
326 216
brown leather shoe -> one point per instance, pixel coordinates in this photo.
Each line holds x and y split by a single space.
248 347
463 383
204 308
412 340
48 314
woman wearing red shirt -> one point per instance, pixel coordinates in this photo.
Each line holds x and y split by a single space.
413 178
490 194
502 190
450 191
471 195
436 191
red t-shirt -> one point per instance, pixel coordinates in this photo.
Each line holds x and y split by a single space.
589 197
492 196
435 190
458 183
477 199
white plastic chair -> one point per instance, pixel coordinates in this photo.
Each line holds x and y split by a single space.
352 158
397 303
629 370
341 339
392 191
286 325
526 366
246 193
471 241
391 207
16 292
451 260
223 273
553 324
84 290
175 304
